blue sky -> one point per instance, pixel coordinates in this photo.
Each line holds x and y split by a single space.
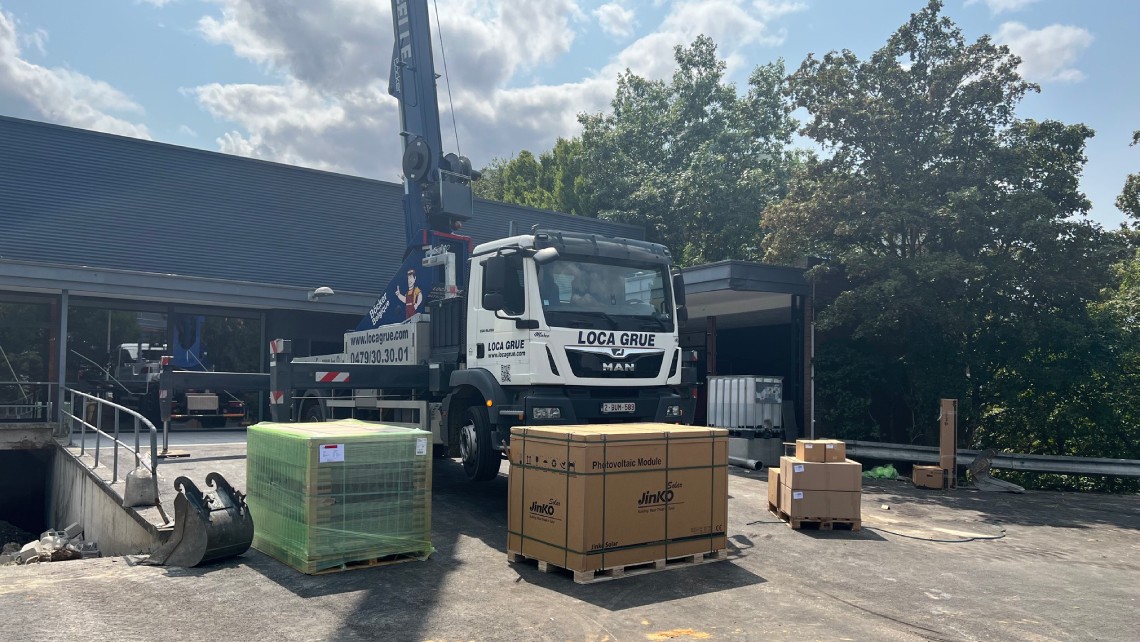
304 82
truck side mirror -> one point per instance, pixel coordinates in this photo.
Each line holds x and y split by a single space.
679 289
493 301
495 275
546 255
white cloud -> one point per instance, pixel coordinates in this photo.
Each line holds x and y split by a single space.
329 107
157 3
1003 6
36 39
615 19
1046 54
772 9
187 130
730 23
56 94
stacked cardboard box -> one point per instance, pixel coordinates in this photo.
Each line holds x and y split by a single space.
588 498
818 484
341 494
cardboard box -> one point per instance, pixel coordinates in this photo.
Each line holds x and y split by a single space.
929 477
803 504
592 497
844 505
810 450
803 475
834 450
845 476
774 487
820 505
948 440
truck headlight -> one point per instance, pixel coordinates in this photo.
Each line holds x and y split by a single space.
672 411
547 413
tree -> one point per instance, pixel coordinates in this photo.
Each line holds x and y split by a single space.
1129 199
954 237
691 160
553 181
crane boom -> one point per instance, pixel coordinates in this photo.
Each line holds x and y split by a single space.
437 187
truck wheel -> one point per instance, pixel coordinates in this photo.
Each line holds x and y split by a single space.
480 459
313 413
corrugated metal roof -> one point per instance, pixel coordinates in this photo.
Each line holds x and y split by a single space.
77 197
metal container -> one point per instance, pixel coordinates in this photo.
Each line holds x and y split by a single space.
746 402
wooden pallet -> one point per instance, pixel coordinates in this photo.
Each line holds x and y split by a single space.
822 524
627 570
373 562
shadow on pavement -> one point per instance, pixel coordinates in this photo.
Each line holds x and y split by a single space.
1032 508
642 590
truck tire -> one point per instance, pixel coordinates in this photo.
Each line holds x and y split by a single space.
313 413
480 459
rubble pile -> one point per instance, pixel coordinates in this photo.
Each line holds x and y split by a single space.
52 546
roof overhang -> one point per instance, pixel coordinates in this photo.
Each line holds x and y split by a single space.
37 277
739 293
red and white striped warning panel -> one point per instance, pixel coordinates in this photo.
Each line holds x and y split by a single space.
277 397
332 377
277 346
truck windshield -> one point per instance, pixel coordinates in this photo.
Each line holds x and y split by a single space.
606 295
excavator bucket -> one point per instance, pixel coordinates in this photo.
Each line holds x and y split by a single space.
207 526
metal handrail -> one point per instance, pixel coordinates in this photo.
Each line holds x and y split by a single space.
30 406
114 437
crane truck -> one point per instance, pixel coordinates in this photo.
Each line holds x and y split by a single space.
550 327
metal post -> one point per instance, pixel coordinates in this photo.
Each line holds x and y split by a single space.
813 361
61 357
154 468
82 424
98 430
115 447
137 426
281 381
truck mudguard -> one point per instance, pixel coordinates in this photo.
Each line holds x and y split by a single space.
482 381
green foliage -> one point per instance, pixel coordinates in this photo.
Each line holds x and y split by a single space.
24 332
553 181
232 344
1129 199
955 244
691 160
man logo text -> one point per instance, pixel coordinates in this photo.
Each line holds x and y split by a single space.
618 367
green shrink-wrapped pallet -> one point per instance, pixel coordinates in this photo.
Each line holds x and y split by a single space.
341 494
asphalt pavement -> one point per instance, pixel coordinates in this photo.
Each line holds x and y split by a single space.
1065 567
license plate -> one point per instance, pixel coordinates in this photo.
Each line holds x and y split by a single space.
619 407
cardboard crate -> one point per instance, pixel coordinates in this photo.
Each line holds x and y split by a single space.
340 494
587 498
929 477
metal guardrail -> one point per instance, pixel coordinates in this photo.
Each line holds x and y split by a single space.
91 402
1007 461
26 401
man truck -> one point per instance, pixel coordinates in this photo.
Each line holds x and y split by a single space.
549 327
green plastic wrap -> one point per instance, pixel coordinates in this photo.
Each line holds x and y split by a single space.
329 495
